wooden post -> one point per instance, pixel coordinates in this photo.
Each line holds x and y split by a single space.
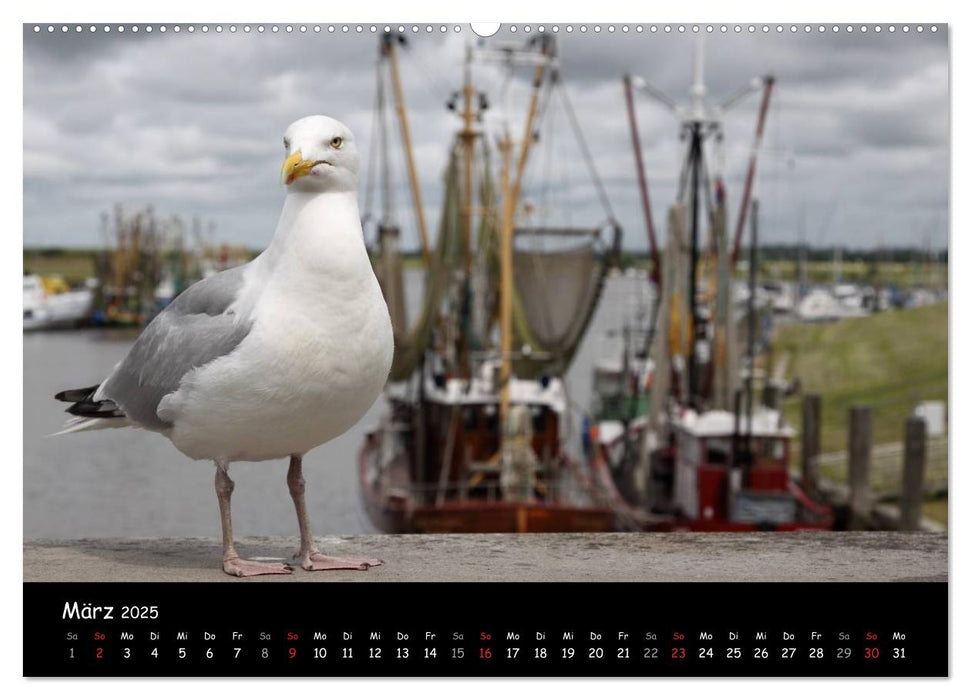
915 460
861 440
810 442
770 395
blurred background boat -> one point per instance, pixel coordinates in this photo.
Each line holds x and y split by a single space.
50 303
679 437
478 412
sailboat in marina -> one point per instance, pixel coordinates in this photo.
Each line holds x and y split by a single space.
477 412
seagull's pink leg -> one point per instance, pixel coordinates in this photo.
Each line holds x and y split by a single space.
232 563
310 557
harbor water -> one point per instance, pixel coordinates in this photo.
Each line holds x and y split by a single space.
134 483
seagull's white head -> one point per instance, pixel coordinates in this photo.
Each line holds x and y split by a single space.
321 156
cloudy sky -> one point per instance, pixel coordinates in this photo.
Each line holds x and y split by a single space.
856 147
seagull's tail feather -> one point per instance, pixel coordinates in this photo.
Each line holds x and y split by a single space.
79 424
90 412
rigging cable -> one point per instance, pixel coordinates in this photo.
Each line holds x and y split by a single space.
588 158
565 185
387 215
547 190
542 112
436 85
373 137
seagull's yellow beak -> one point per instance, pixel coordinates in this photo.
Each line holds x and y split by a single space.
295 167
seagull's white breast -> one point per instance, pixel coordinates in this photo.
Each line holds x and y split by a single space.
318 354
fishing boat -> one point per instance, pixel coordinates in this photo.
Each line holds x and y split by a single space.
621 392
50 303
692 448
149 260
477 416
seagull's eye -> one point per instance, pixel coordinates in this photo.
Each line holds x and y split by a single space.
336 142
286 144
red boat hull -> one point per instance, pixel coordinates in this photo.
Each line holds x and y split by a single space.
397 512
510 517
823 515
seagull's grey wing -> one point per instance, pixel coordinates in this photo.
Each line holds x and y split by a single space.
195 329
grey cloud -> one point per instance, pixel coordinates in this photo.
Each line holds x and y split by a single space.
193 124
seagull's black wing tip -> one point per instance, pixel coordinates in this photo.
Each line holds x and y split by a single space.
74 395
83 404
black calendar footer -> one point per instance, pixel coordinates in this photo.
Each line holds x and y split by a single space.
242 628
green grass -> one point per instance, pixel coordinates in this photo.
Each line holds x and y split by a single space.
74 265
889 361
905 275
936 509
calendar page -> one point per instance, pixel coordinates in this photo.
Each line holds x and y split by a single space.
437 349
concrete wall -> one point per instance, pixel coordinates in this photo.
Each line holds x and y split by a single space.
806 556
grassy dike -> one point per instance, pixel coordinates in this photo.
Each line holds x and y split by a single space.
890 361
74 266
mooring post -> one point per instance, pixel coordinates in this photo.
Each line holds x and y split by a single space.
810 442
861 440
770 395
915 461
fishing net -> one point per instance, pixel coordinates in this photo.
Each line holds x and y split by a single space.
557 290
411 343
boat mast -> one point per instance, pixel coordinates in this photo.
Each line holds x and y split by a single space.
753 262
767 84
695 125
510 200
642 178
467 138
399 103
698 123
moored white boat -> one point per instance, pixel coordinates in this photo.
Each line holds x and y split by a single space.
821 305
46 308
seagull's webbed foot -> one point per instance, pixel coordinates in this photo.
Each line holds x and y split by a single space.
309 556
315 561
237 566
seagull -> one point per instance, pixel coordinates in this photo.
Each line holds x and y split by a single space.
270 359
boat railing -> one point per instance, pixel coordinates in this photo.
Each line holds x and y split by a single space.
481 359
467 490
